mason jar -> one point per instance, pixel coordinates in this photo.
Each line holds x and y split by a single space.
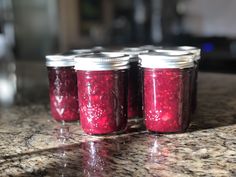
62 87
166 91
134 82
197 56
102 92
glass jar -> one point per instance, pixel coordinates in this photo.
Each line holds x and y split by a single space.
102 92
134 83
196 52
62 87
166 91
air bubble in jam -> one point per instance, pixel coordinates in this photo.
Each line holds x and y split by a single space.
102 101
167 99
63 93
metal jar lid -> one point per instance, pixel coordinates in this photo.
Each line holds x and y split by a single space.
149 47
172 51
166 60
94 49
101 62
82 51
133 53
181 49
111 52
60 60
98 49
196 51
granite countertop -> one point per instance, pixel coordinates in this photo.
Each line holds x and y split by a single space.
33 145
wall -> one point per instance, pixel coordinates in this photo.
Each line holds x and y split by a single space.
210 17
36 27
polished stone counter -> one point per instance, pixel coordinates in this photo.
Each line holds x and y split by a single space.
33 145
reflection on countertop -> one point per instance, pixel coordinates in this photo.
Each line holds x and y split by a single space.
34 145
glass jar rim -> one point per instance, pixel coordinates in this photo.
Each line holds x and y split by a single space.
166 60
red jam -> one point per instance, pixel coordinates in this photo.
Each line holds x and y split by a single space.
167 99
102 100
134 91
63 93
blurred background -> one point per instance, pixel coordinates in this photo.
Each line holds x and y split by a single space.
31 29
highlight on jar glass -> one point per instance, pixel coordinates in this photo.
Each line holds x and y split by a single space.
102 92
166 91
62 87
197 56
134 83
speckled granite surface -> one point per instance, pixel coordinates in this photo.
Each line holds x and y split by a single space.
33 145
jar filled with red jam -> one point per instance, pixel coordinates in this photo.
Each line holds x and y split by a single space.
102 92
166 91
196 52
62 87
134 83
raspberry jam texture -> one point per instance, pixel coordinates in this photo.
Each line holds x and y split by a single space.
63 93
102 101
134 91
167 99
